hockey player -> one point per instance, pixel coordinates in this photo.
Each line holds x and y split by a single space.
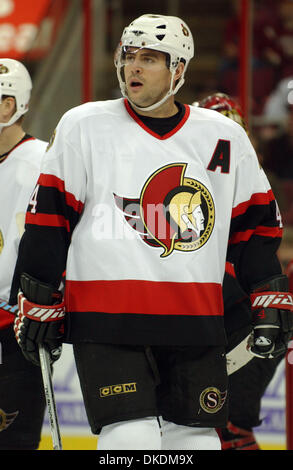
247 385
22 402
135 200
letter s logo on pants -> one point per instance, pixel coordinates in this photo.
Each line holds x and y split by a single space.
212 399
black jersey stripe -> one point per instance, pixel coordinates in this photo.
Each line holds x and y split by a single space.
53 202
256 199
261 230
52 205
47 180
256 220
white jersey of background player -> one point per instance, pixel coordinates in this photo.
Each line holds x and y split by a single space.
21 156
20 160
18 175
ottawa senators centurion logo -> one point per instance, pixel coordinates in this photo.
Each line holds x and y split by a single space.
173 212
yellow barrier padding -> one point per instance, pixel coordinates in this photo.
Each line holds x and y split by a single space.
70 443
272 447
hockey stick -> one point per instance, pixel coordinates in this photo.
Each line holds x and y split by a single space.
238 357
50 398
47 382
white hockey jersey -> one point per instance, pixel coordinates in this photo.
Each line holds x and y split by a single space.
142 223
18 175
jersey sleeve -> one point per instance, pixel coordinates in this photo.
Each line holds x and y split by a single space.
53 211
256 225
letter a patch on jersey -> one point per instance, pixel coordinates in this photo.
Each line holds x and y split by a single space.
221 157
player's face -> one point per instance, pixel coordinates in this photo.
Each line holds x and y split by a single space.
146 74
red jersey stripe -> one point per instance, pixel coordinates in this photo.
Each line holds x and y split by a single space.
55 182
230 269
6 314
49 220
255 200
144 297
262 231
6 319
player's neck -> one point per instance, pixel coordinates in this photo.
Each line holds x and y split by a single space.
167 109
9 137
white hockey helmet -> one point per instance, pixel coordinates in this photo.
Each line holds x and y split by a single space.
168 34
15 81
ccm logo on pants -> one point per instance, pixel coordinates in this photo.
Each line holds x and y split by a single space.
117 389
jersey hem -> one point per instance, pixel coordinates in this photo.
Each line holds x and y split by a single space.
98 327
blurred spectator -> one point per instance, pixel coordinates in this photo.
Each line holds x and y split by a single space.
265 56
276 106
264 32
262 132
278 161
283 39
278 156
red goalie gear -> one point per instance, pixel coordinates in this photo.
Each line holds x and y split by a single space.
235 438
225 105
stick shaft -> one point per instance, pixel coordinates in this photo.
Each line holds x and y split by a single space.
50 398
238 357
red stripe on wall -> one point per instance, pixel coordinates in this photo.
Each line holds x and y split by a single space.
48 220
55 182
144 297
255 200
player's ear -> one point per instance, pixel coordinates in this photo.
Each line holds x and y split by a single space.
9 106
179 70
178 73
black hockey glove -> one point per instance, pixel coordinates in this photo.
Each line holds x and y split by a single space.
39 319
272 318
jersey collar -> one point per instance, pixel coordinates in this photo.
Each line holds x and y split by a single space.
147 129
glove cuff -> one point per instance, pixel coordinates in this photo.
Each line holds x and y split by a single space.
270 299
41 313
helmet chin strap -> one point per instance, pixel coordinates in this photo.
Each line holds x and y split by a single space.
153 106
11 121
156 105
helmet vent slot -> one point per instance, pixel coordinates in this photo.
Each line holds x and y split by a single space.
160 37
137 33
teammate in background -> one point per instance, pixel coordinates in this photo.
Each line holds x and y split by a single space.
247 385
22 402
122 185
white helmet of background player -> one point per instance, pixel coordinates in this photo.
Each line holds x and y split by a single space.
15 81
167 34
